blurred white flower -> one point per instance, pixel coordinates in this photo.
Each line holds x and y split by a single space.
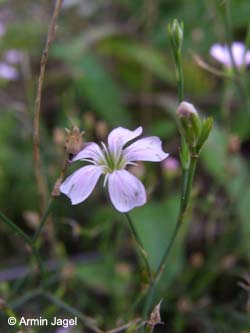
240 54
8 72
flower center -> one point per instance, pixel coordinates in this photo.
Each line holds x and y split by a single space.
112 160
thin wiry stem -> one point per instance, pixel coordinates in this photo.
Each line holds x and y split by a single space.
188 180
43 220
140 246
40 179
136 322
240 84
201 63
89 322
180 77
56 189
41 183
27 240
16 229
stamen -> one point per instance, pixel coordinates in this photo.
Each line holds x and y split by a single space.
105 180
88 160
105 148
118 155
132 163
109 161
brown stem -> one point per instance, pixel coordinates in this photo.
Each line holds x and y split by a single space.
41 182
56 189
137 322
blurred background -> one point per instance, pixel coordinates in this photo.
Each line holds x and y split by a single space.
111 65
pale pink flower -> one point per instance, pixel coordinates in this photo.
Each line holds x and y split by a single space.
8 72
240 54
13 56
125 190
171 164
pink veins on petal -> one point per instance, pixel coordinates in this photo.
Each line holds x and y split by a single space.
125 190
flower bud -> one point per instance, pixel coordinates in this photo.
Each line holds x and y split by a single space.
186 109
194 130
175 30
189 123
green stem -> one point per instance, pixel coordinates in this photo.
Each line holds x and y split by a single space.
16 229
31 242
135 304
159 271
43 220
39 261
239 81
188 177
25 298
180 77
63 305
228 25
188 182
140 246
183 186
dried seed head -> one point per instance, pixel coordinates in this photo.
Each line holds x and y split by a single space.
74 142
155 316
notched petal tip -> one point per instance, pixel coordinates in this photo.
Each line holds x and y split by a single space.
146 149
119 136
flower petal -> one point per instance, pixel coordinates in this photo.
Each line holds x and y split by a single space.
126 191
120 136
8 72
81 183
238 51
146 149
247 58
221 54
91 151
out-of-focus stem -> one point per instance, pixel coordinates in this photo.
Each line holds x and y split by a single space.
16 229
239 82
27 240
40 179
43 220
32 242
63 305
